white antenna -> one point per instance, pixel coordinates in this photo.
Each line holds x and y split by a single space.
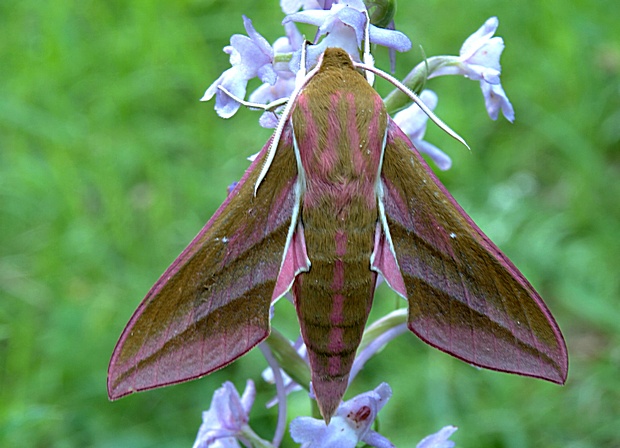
434 118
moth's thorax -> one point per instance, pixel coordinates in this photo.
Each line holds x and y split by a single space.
339 123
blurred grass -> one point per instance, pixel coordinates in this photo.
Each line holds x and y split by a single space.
109 165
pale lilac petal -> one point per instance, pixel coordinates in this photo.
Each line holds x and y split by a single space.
211 439
348 426
357 4
231 187
254 53
285 82
310 432
340 36
260 42
439 439
232 81
440 158
267 74
319 4
267 93
479 60
478 39
263 94
292 40
354 19
474 72
383 393
226 418
225 442
488 54
290 6
247 399
268 120
391 39
412 121
495 99
351 15
479 56
246 56
228 407
375 439
315 17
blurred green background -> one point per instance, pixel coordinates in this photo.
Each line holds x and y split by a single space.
109 165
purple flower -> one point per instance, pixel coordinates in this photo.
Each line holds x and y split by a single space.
227 418
479 55
479 60
250 57
439 439
344 27
350 425
285 83
413 121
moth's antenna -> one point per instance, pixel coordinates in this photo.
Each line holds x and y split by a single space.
269 107
300 82
302 61
434 118
367 57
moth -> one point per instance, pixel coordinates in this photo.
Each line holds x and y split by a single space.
336 198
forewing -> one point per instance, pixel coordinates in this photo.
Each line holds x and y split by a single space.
465 296
212 304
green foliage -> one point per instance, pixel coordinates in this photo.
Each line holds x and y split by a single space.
109 165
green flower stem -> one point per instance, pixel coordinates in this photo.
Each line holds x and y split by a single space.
289 359
248 434
416 80
282 58
380 326
381 11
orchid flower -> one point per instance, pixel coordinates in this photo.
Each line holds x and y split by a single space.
351 423
285 82
479 60
250 57
226 421
344 26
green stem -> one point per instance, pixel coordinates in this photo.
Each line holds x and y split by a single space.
289 359
416 80
382 325
249 434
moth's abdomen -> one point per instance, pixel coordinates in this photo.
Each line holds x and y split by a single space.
334 298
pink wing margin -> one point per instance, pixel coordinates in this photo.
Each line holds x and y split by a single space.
212 304
465 296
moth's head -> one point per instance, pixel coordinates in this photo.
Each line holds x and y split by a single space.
335 58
